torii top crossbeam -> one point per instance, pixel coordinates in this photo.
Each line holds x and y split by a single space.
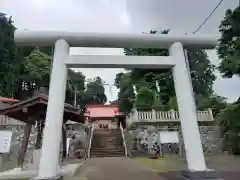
114 40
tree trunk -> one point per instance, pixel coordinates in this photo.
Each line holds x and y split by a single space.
38 141
24 145
40 127
64 141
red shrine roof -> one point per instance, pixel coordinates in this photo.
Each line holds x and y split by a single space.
8 100
102 111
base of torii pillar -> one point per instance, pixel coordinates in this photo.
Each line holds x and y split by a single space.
51 178
208 174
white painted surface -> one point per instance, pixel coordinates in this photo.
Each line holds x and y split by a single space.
36 158
68 144
169 137
187 110
109 61
165 116
5 141
53 127
113 40
17 173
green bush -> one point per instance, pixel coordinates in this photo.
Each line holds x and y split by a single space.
229 121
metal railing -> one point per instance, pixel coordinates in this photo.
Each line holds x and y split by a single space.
123 138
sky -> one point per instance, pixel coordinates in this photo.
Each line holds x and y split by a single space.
123 16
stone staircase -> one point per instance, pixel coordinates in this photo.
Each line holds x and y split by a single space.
107 143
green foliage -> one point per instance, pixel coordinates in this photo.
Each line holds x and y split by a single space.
23 70
229 44
126 95
230 127
155 87
216 103
153 77
229 52
8 61
36 68
201 71
95 92
145 99
172 104
158 105
75 83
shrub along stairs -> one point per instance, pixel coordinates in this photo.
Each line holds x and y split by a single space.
107 143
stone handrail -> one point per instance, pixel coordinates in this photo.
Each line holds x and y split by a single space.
90 140
123 138
166 116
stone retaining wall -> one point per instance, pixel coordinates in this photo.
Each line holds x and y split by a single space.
18 133
209 136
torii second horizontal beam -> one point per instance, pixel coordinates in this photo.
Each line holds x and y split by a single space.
113 61
114 40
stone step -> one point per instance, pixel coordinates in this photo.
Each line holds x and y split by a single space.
104 141
105 146
106 135
107 155
108 149
108 130
107 143
107 152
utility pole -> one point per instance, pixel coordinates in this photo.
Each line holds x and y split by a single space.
75 96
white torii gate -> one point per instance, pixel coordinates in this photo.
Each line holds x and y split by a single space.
62 60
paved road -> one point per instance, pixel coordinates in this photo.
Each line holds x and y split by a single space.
115 169
121 168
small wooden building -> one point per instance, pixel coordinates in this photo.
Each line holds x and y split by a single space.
33 112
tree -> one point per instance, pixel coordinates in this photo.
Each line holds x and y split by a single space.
172 103
201 71
8 61
145 99
230 127
229 44
126 95
229 52
76 84
23 70
158 83
152 77
95 92
216 103
35 73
